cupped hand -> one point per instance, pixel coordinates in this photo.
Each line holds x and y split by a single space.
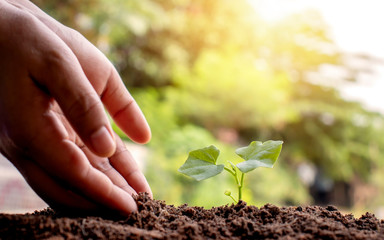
54 86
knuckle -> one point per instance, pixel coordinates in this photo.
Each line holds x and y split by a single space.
74 168
55 58
128 188
104 166
76 161
83 106
128 104
73 34
22 18
121 150
132 173
79 168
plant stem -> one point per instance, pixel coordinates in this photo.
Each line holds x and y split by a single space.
240 188
238 182
234 200
230 171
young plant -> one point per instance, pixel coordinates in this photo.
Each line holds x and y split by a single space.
201 163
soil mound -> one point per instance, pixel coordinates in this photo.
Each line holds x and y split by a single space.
157 220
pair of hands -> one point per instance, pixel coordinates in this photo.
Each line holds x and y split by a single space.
53 127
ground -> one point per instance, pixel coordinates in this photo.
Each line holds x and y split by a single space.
157 220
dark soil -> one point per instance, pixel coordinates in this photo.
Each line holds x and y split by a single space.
156 220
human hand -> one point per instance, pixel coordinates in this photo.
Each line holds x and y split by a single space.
53 127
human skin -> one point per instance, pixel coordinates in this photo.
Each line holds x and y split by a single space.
54 86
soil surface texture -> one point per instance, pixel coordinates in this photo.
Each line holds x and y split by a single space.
156 220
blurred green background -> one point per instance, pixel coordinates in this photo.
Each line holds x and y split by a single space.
214 72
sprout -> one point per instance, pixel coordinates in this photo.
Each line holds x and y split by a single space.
201 163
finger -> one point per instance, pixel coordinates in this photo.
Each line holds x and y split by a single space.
103 76
124 110
57 69
100 163
103 165
74 169
57 155
50 190
123 162
107 82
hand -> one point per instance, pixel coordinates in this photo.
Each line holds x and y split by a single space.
53 127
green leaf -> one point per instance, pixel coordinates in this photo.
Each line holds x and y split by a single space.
201 163
259 154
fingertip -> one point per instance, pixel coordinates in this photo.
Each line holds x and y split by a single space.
145 136
136 128
128 206
103 142
139 183
150 194
127 212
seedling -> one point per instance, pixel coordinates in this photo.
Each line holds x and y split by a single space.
201 163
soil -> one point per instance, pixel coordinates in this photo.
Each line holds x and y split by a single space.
157 220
